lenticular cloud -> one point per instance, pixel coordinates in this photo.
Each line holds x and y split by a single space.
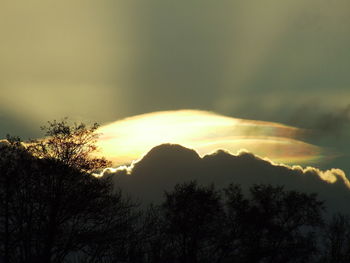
126 140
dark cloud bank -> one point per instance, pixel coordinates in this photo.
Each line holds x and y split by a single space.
168 164
334 123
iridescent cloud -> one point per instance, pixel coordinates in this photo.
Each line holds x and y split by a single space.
127 140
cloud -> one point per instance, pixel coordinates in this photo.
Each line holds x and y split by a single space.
333 123
16 126
126 140
165 165
4 143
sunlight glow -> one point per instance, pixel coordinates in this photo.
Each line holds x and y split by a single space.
129 139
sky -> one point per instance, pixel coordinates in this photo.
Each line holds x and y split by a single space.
102 61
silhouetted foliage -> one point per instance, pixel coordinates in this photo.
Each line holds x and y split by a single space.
52 209
198 224
273 225
154 242
336 247
72 145
192 215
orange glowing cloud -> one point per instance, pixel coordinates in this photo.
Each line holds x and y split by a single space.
129 139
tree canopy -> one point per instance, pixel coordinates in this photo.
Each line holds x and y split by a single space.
53 209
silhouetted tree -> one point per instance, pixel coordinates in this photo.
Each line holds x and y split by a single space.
269 224
154 241
72 145
336 246
273 225
12 153
53 208
192 216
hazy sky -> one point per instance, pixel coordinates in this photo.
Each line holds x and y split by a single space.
285 61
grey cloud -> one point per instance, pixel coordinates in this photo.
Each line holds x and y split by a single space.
329 128
16 126
166 165
333 123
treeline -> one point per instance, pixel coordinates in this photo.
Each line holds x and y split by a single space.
53 209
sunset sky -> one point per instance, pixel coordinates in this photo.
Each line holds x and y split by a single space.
275 63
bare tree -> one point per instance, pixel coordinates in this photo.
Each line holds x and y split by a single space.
192 216
337 240
53 208
272 225
73 145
